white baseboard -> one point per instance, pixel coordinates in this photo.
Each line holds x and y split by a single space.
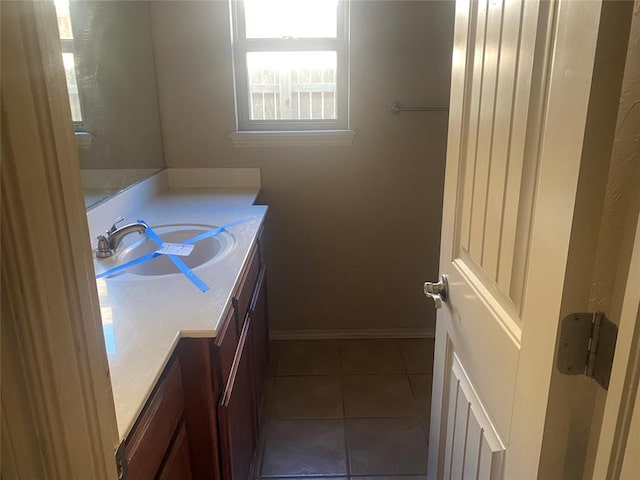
347 334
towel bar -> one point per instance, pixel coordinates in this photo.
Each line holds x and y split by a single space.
396 107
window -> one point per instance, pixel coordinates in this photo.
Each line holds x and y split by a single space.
291 64
68 59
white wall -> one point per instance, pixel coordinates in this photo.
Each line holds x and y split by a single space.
353 232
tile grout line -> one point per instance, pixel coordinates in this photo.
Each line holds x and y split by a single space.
386 417
265 426
268 407
344 414
349 374
416 398
342 375
404 361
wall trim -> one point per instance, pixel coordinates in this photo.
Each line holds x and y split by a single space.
347 334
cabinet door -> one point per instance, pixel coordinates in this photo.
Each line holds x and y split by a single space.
237 413
200 406
260 329
177 465
151 436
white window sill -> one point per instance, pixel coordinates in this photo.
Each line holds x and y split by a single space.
323 138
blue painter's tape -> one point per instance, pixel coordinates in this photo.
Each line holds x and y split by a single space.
186 271
132 263
152 235
213 232
193 278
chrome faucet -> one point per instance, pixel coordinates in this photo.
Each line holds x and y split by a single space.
110 240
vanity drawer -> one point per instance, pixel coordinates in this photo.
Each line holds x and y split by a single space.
225 346
244 293
152 434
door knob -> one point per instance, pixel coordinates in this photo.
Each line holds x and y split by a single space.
437 291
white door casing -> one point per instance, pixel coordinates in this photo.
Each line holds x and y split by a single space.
520 97
619 440
58 417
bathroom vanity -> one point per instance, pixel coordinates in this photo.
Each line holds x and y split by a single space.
188 367
202 419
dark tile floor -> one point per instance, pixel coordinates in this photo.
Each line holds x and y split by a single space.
347 409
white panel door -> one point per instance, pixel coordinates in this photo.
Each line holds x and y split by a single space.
521 85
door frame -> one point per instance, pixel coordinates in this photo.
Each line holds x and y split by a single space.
58 415
623 397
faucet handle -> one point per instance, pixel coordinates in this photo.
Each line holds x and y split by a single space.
114 227
104 248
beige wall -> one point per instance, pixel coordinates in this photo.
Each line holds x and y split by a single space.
353 231
617 231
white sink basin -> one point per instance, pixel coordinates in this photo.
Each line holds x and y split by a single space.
205 251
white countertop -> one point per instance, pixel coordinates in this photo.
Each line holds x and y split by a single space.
144 317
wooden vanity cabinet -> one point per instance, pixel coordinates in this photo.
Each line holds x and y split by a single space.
257 315
202 420
240 407
236 412
224 350
178 463
245 293
158 427
200 400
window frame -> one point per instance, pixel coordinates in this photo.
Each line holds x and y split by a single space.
242 45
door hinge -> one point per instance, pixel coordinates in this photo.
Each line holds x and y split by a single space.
121 462
586 346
